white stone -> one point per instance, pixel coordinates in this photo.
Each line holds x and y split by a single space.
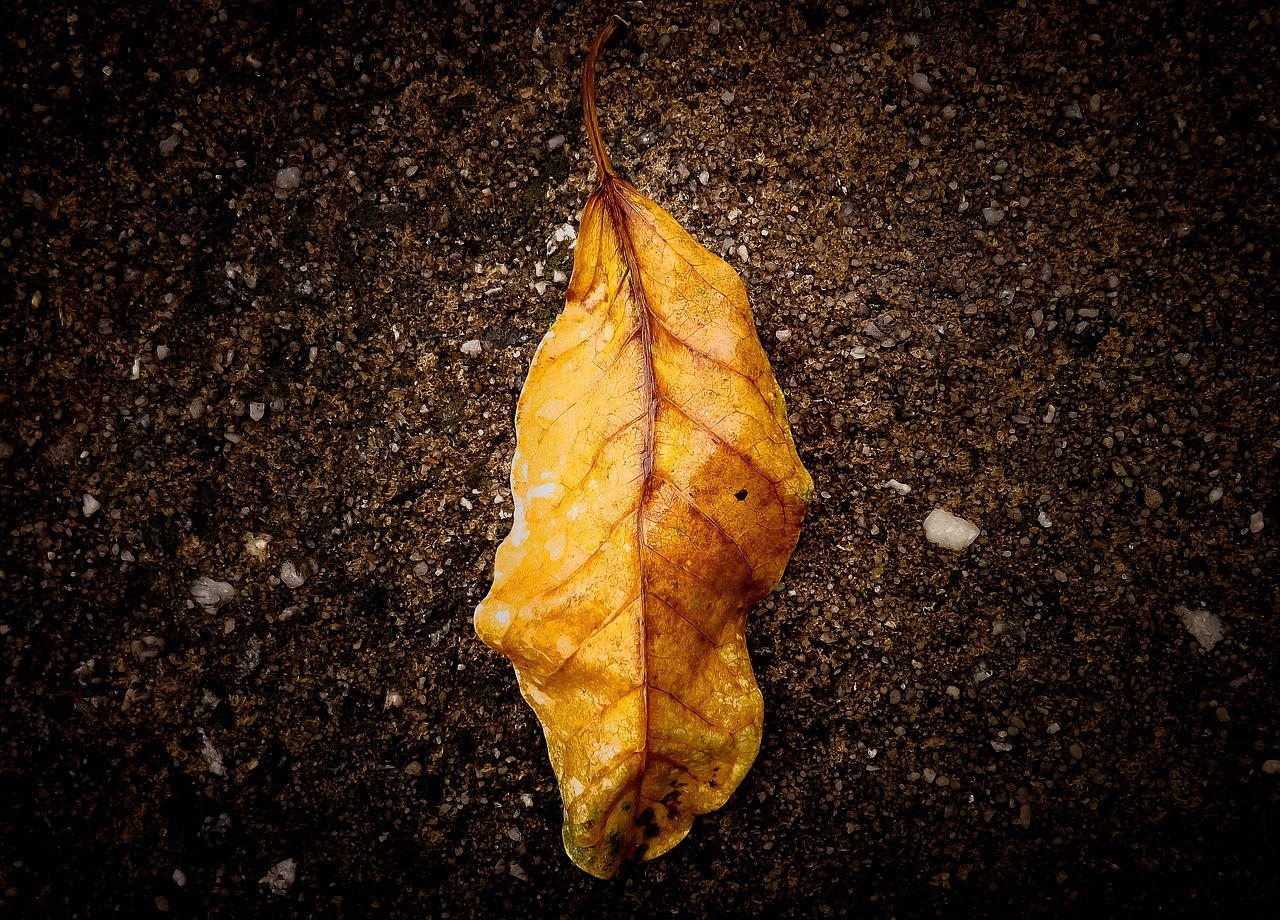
471 347
288 178
256 545
281 876
1256 522
290 575
948 531
921 82
210 593
1202 624
89 505
900 487
212 758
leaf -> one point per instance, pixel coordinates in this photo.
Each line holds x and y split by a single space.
658 496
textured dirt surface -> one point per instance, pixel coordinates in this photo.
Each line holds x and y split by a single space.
1019 257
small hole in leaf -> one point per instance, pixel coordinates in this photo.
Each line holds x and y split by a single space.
741 495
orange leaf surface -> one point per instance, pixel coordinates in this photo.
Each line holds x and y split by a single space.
658 496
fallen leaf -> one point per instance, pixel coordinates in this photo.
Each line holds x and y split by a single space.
658 496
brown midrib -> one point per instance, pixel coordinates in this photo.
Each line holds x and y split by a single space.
611 192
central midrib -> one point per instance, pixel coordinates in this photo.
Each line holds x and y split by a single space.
615 207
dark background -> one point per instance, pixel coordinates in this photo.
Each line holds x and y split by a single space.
1041 293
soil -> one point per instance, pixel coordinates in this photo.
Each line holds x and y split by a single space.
1019 257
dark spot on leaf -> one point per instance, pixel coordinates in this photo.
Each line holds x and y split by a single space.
713 784
741 494
652 831
645 818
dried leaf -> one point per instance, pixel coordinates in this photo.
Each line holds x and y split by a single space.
658 496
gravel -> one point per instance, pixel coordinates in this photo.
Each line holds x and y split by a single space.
1041 292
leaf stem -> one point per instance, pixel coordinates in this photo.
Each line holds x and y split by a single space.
589 98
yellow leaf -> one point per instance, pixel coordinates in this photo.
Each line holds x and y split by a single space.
658 496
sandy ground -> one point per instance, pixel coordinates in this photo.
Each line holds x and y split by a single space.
1019 257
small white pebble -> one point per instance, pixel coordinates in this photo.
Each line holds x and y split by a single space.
288 178
783 334
210 593
900 487
256 545
466 503
921 82
993 215
555 142
1202 624
1271 766
559 277
89 504
1044 520
281 876
162 352
948 531
290 575
471 347
169 144
212 757
1256 522
257 410
179 878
